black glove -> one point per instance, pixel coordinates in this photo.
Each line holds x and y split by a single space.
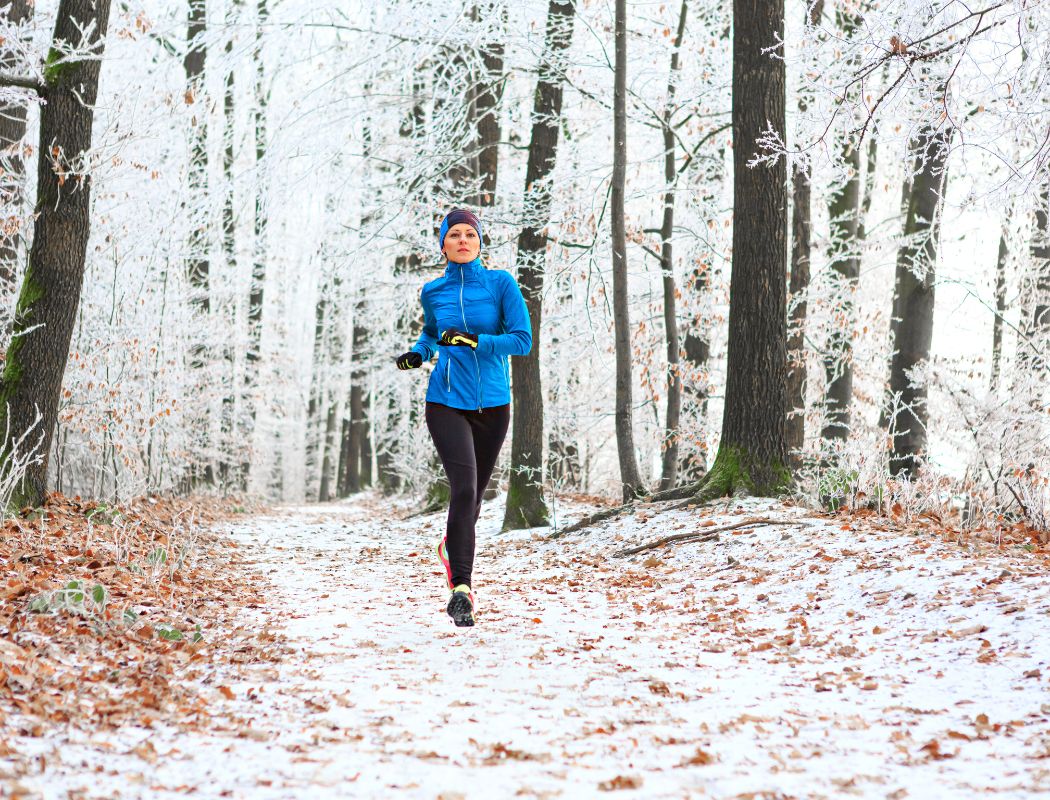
452 337
409 360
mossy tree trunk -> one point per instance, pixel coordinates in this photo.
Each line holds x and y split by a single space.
526 507
913 300
50 293
751 453
12 167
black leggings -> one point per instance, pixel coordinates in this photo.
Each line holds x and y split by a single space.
468 443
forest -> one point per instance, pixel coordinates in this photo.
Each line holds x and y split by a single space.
260 208
786 266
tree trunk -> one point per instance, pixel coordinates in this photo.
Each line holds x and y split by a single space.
255 295
751 454
197 264
314 450
669 466
525 504
693 459
798 305
844 214
366 441
343 466
1038 326
630 480
487 101
325 492
1000 304
12 167
229 249
50 294
914 300
357 411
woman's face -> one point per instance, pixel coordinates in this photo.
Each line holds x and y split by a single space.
461 243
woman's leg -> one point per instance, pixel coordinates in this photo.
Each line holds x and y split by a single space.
489 429
451 432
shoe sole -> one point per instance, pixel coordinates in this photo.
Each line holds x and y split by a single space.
461 610
445 564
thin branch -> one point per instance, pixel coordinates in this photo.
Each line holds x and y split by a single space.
22 82
705 535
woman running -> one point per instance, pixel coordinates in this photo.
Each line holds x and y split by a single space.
473 318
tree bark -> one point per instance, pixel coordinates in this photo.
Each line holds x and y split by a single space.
1037 328
324 494
798 305
751 455
488 98
197 263
669 465
914 300
229 248
630 479
366 440
355 442
844 215
1000 304
255 292
47 304
844 212
525 504
194 64
314 436
12 166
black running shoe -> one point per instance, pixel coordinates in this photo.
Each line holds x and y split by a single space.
461 606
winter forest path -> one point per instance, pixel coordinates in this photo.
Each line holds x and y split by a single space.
824 661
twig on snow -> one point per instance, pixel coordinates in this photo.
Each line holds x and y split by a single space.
704 535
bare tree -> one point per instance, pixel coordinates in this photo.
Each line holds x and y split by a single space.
913 301
255 295
1037 326
669 467
751 454
12 131
801 224
525 504
630 479
50 294
1000 303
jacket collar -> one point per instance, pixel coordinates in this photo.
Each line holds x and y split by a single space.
470 269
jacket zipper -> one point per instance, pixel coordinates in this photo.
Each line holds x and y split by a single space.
477 364
448 373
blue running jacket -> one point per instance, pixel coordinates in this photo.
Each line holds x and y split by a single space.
487 303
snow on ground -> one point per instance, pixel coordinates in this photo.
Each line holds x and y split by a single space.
823 658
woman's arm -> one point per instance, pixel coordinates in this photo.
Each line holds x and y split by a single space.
427 342
517 337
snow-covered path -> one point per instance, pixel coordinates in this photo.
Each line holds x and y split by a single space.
775 662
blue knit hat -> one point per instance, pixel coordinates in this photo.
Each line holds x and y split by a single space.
455 217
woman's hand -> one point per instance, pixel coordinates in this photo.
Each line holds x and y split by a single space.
409 360
452 337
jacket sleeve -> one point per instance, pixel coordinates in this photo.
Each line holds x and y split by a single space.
427 342
516 339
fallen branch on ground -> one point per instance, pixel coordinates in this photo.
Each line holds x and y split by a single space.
656 497
703 535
